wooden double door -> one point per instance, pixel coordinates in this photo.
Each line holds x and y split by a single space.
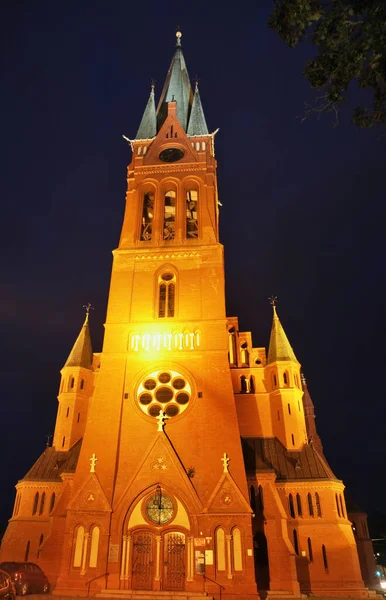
158 558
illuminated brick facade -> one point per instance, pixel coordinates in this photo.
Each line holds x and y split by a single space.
182 458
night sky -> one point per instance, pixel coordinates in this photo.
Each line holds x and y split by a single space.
303 213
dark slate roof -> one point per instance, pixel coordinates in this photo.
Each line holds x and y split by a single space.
81 353
269 454
148 126
51 463
197 123
176 88
279 346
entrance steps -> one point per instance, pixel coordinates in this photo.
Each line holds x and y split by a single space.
150 595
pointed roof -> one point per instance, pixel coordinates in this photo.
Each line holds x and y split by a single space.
176 88
309 415
279 346
148 126
81 353
197 123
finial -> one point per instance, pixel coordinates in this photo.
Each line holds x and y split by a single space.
196 84
88 307
93 461
48 439
178 36
225 461
152 85
273 302
160 419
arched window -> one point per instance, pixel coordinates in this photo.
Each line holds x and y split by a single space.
166 295
72 383
341 504
63 441
82 384
310 554
285 378
299 505
79 538
324 553
289 408
237 554
52 503
42 502
191 214
35 504
244 354
261 498
169 215
78 419
252 384
245 384
318 505
232 346
94 547
220 549
293 439
310 505
147 217
296 543
26 554
139 150
291 506
337 504
274 381
252 495
68 411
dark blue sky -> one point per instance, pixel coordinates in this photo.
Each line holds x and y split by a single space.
303 212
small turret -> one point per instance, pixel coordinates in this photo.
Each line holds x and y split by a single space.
279 346
148 126
197 123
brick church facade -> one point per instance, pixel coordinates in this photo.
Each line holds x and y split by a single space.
184 458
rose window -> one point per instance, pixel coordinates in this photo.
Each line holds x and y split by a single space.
164 390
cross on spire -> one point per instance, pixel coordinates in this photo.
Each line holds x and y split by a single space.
160 420
93 461
88 307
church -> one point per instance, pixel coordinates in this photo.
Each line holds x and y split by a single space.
185 461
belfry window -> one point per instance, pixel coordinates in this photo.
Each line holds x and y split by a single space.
299 504
310 553
310 505
52 503
35 504
324 553
147 217
291 506
169 215
42 502
296 543
318 506
191 214
166 295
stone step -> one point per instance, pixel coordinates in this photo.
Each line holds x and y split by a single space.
150 595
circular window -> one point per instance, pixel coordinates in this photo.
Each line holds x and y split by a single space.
159 508
171 154
167 277
166 391
257 361
164 394
150 384
178 383
164 378
145 398
182 398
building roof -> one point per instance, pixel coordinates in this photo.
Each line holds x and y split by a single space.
269 454
81 353
148 126
52 463
197 123
279 346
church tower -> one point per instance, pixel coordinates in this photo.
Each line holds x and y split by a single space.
182 459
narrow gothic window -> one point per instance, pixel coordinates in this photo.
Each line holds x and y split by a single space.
293 439
82 384
63 442
220 549
285 378
78 546
318 506
35 504
26 555
341 504
324 557
237 555
232 346
78 418
337 504
169 215
296 543
291 506
289 408
244 354
94 547
310 505
310 554
274 381
40 543
147 216
72 382
191 214
299 505
42 502
68 411
166 295
52 503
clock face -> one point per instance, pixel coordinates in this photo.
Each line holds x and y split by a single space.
159 509
171 154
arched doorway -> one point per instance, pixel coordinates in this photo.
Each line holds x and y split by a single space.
174 556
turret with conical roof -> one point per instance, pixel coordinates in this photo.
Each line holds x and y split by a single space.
76 387
148 127
279 346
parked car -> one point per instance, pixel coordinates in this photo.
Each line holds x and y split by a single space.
7 589
27 577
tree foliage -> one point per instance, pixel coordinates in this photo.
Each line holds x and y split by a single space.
350 36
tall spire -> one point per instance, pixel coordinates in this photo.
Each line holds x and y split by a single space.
309 415
279 346
81 354
176 88
197 123
148 127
